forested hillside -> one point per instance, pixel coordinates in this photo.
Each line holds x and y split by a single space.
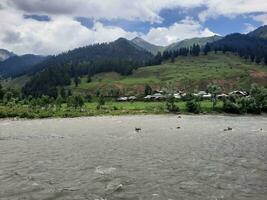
18 65
120 56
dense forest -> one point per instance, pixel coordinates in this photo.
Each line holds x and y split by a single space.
121 56
19 65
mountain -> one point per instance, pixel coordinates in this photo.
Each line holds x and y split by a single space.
154 49
4 54
190 42
188 73
121 56
121 49
237 41
18 65
260 32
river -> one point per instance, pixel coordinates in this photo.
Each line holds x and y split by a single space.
201 157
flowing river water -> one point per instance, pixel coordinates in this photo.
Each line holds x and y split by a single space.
170 158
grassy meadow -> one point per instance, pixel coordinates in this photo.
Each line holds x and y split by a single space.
90 109
186 73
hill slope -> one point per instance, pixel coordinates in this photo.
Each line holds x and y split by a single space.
187 73
4 54
260 32
190 42
121 49
154 49
17 65
120 56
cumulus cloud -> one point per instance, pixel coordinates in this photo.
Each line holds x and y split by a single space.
51 37
143 10
230 8
187 28
261 18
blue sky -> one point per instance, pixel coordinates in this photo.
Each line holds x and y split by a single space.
221 25
51 27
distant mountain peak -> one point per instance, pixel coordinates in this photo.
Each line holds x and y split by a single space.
5 54
154 49
201 41
260 32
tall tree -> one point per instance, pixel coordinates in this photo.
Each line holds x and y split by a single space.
148 90
214 90
1 92
207 49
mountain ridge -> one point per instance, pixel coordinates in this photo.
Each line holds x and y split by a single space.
5 54
260 32
152 48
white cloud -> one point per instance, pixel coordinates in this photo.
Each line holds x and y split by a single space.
249 28
187 28
51 37
232 8
261 18
143 10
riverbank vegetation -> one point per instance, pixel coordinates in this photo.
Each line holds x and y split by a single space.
69 105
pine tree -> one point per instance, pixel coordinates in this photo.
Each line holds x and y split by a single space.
207 49
1 93
89 80
265 59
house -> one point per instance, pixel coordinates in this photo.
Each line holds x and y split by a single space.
158 96
200 94
206 96
148 97
132 98
122 99
221 96
239 93
177 95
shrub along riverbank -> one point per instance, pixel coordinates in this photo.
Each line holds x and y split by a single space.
76 106
93 109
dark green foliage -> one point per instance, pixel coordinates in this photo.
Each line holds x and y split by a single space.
231 107
148 90
89 80
195 50
77 81
255 103
172 54
19 65
121 56
170 104
193 106
76 101
246 46
214 90
1 93
258 60
63 93
207 49
100 102
265 58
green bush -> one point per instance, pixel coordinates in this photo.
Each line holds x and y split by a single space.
193 106
231 107
170 104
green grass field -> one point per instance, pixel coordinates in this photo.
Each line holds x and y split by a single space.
187 73
90 109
